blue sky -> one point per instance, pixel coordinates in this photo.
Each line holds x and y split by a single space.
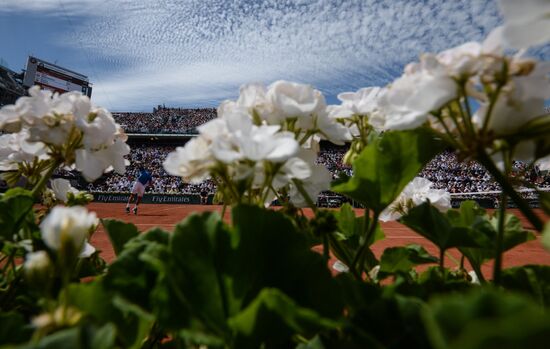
196 53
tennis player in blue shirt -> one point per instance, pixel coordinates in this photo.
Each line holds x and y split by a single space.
143 181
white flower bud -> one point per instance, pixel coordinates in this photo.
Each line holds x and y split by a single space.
36 262
67 227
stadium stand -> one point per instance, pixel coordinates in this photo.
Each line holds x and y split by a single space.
10 88
165 120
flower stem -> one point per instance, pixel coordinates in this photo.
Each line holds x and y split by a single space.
358 261
43 180
299 185
494 97
468 116
507 188
442 261
497 268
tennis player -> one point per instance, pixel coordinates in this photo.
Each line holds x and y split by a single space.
143 180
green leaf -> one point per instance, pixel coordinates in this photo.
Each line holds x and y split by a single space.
486 319
396 260
467 215
199 249
353 228
119 233
132 275
15 208
544 199
104 337
315 343
211 272
14 329
346 220
93 299
272 318
387 165
388 322
533 280
269 252
435 226
83 337
485 232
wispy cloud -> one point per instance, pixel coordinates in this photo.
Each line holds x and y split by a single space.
197 52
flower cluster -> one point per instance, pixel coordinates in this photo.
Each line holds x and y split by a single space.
418 191
47 130
263 144
473 95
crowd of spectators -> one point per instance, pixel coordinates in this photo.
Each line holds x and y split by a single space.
165 120
151 158
445 171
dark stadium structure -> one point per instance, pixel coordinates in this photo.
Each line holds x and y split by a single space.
11 86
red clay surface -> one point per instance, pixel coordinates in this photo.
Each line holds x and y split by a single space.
167 215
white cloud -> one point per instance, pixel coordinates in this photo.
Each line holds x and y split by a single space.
199 51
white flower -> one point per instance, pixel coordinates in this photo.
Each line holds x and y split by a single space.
36 261
295 100
332 130
68 124
526 22
425 87
191 162
294 168
15 149
373 273
544 163
251 142
362 102
99 131
418 191
87 250
67 225
92 163
61 187
473 277
318 181
9 119
340 267
520 101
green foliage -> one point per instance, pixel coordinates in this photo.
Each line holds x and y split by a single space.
199 250
131 275
485 232
13 328
435 226
272 318
352 227
103 306
486 319
257 283
387 165
400 260
380 321
82 337
119 233
212 277
532 280
544 199
15 210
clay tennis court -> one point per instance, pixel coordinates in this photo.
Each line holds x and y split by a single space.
167 215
